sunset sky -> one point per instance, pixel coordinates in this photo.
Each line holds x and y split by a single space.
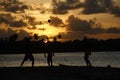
73 19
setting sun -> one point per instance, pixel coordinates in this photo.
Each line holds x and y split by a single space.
47 30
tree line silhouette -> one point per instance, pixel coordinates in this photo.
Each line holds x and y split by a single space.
11 45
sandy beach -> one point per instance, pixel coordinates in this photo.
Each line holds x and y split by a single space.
60 73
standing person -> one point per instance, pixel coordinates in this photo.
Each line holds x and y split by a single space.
87 52
28 54
49 53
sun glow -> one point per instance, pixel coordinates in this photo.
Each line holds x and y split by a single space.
47 30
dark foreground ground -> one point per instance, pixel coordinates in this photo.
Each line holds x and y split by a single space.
59 73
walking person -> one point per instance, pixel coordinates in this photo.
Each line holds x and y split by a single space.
86 57
87 52
28 53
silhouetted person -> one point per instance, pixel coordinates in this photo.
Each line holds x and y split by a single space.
28 53
86 57
87 51
49 53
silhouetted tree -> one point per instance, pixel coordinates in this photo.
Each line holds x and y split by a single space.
54 39
13 37
59 36
36 36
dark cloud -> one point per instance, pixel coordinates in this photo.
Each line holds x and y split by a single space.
42 29
113 30
32 21
57 22
11 21
6 18
62 7
76 24
95 6
86 27
78 28
13 6
9 8
116 11
41 8
19 23
101 6
22 34
89 6
6 33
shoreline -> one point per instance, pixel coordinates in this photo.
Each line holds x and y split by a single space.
61 72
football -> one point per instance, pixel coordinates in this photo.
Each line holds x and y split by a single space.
49 21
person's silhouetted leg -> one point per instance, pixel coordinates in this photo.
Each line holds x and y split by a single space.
86 61
89 64
32 63
51 63
22 63
48 63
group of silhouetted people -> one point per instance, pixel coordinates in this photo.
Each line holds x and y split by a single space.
49 52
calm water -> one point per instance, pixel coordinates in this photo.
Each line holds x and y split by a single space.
74 59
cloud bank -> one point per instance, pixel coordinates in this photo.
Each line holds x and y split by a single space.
88 6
